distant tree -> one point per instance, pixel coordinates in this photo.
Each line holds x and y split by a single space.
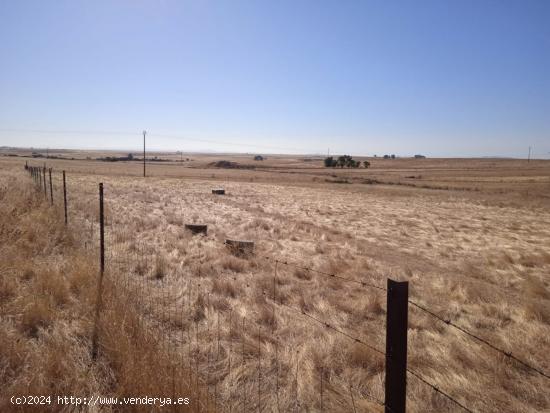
344 161
130 157
386 156
393 156
330 162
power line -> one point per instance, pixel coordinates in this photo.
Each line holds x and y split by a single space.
82 132
160 135
179 137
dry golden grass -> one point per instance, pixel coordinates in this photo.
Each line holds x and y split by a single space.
47 298
477 255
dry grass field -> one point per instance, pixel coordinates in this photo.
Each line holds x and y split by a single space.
472 237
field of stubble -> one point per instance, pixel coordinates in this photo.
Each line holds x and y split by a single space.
478 256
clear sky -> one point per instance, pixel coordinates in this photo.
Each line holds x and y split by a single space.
442 77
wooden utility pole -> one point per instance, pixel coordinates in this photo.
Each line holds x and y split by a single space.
529 156
144 133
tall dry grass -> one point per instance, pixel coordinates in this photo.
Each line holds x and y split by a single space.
469 258
48 285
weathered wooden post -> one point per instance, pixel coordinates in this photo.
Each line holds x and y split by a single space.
396 346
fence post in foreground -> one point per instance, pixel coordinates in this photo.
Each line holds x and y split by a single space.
51 187
396 346
101 271
45 188
65 197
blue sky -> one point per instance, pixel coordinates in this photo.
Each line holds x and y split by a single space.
443 78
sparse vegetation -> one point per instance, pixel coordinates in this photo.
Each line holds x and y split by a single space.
346 161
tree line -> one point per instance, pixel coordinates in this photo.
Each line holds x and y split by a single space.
346 161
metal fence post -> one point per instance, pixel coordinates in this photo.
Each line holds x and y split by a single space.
396 346
51 187
65 197
101 271
45 188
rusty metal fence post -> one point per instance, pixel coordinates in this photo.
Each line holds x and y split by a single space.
101 272
396 346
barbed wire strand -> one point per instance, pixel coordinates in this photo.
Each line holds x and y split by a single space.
326 274
481 340
431 313
357 340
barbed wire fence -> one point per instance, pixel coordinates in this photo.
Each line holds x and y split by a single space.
215 351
